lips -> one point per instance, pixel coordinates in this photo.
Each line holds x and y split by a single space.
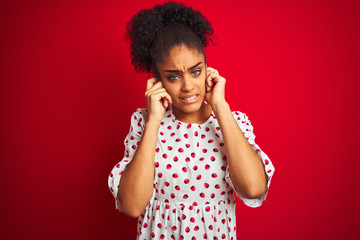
189 98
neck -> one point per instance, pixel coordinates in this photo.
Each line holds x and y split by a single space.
198 117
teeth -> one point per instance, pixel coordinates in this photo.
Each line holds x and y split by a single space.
190 98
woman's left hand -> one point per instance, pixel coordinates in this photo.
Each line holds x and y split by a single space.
215 88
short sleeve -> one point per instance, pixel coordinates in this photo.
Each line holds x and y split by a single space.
246 127
131 143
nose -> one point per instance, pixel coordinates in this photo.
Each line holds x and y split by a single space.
187 84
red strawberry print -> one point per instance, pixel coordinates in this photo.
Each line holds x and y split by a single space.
174 179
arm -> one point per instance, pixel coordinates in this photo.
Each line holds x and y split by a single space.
246 169
136 184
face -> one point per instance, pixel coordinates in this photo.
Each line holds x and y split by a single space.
183 75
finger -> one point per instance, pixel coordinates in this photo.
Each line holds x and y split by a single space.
211 79
155 87
212 70
150 83
165 102
160 93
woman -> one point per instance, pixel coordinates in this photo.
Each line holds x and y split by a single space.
187 152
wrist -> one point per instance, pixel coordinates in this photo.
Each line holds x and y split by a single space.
152 124
220 107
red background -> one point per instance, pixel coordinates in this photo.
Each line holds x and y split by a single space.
68 90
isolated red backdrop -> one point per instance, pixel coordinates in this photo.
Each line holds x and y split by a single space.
68 90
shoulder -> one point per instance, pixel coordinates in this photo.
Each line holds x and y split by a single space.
240 116
139 116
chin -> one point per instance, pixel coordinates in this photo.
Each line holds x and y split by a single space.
190 108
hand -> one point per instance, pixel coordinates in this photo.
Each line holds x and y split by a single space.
157 99
215 88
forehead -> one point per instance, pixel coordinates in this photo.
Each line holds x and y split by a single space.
180 57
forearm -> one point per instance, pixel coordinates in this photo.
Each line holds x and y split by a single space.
137 181
246 169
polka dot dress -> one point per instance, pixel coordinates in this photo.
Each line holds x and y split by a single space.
193 196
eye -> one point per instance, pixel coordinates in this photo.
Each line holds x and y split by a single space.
173 77
196 72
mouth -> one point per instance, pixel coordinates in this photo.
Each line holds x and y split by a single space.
190 99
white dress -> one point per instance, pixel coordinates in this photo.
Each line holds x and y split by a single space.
193 194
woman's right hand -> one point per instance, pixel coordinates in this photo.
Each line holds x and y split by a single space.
157 99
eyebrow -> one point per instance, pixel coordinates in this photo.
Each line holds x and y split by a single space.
175 71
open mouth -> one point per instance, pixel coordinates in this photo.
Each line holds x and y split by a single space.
190 99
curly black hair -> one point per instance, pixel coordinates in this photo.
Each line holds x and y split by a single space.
153 32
